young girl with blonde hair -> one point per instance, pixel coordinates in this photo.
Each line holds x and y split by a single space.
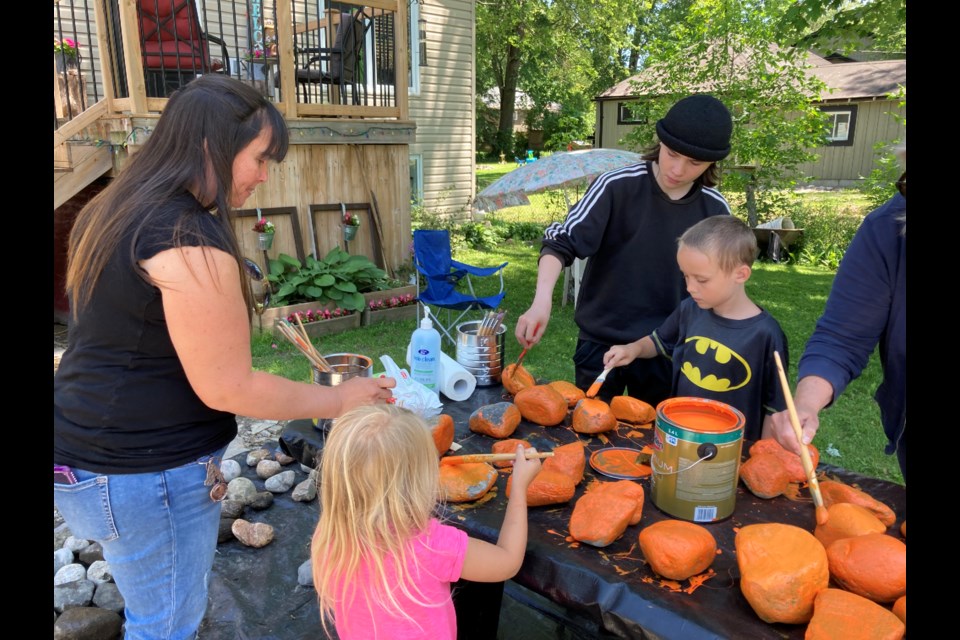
382 561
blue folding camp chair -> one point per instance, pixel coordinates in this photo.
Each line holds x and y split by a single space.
442 275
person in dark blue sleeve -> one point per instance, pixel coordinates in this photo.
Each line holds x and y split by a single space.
866 309
627 224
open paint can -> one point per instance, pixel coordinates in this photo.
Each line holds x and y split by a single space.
696 458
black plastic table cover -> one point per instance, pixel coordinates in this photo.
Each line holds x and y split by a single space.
612 585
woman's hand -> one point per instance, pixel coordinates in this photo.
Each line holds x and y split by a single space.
362 391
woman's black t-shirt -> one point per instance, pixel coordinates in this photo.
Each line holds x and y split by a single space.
121 399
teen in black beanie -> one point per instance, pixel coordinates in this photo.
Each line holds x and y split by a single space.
626 227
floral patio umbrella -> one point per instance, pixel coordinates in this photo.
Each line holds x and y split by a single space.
557 171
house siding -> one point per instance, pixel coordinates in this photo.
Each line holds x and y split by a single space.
445 110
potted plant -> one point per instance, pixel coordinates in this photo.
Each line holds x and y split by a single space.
324 321
390 309
66 54
265 231
351 222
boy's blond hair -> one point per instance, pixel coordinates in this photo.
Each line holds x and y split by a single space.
379 487
726 239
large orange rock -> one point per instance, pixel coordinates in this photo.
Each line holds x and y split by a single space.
515 378
600 518
570 392
677 549
627 488
782 569
845 520
541 404
791 461
900 609
466 482
764 475
442 431
569 459
549 487
873 566
841 615
833 492
498 420
507 446
592 415
632 410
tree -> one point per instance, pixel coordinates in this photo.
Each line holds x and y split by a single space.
846 25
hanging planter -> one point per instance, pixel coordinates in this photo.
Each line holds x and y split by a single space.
265 232
264 240
349 232
351 222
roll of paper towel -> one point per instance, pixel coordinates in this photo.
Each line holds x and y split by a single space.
455 382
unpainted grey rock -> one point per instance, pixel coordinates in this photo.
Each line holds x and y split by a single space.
76 544
281 482
304 491
257 455
91 554
225 532
263 500
99 572
253 534
231 509
61 558
305 468
60 535
70 573
78 593
107 596
305 574
241 489
230 469
283 458
268 469
87 623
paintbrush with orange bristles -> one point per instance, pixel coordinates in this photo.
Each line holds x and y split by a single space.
493 457
595 387
822 514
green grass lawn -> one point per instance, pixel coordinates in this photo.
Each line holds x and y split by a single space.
850 435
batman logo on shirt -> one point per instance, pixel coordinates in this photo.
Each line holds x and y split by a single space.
712 366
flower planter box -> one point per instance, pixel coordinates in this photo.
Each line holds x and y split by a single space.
272 314
396 314
410 289
326 327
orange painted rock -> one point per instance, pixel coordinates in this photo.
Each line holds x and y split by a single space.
600 518
676 549
549 487
632 410
466 482
782 569
570 392
791 461
568 459
507 446
592 415
846 520
900 609
764 475
515 378
873 566
442 433
903 529
841 615
627 488
498 420
833 491
541 404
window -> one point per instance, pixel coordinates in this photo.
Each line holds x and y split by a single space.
416 179
840 123
631 113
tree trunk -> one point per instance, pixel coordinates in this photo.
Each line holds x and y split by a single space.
508 98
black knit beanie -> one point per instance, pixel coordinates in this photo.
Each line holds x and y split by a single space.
698 127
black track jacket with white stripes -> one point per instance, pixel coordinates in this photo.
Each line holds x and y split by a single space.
628 228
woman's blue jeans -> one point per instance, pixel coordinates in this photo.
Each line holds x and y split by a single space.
159 535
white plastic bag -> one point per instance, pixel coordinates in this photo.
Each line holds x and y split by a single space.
410 394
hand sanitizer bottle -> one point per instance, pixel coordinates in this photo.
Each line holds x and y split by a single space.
425 355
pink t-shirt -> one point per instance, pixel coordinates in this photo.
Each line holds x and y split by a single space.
438 554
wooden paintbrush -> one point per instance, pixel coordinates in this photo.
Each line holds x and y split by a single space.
595 387
493 457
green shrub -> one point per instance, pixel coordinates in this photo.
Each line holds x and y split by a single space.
339 278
